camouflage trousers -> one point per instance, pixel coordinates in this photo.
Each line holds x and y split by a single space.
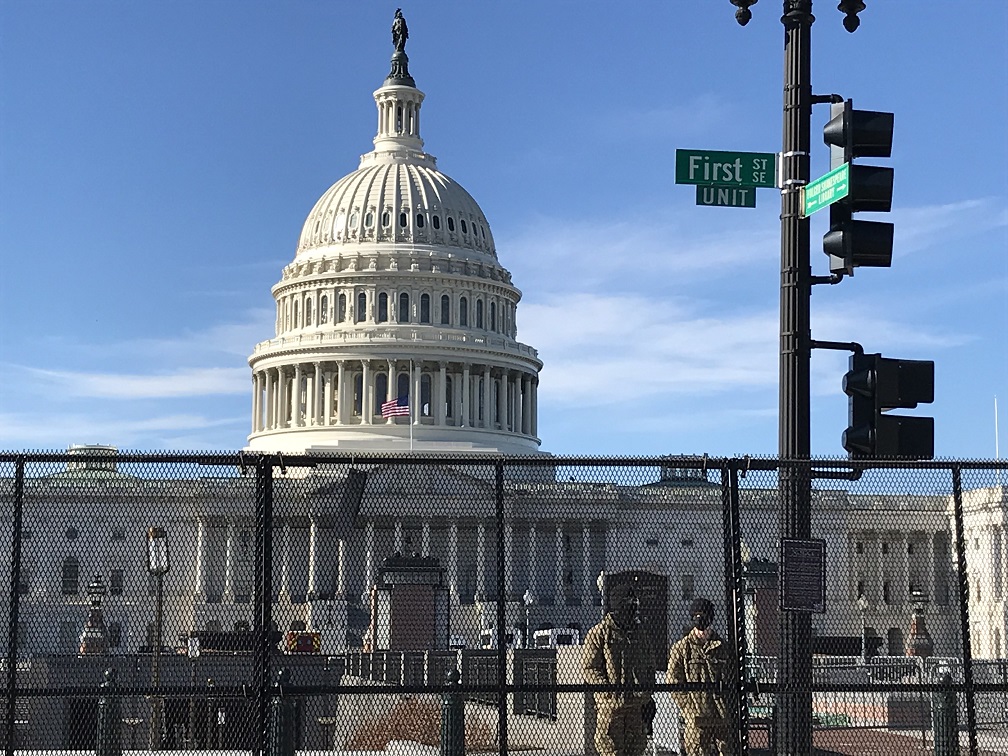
619 730
708 740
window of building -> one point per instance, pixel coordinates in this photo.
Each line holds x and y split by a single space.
353 219
465 229
358 394
479 313
885 548
449 398
24 583
115 634
425 308
361 307
323 313
687 588
308 312
404 308
381 391
860 588
859 548
425 395
382 307
116 581
451 224
297 322
909 548
70 576
493 316
886 593
463 312
419 220
341 308
369 219
436 221
402 385
445 309
403 220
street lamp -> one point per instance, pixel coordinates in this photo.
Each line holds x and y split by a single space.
528 599
158 565
862 603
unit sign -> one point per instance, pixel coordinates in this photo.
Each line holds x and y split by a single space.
726 196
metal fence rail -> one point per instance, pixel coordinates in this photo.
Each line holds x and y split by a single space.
385 587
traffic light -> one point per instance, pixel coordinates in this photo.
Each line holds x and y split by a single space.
877 384
853 243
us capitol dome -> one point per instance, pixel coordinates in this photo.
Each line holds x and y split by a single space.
395 297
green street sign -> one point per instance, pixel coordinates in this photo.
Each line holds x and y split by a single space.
726 196
712 168
826 190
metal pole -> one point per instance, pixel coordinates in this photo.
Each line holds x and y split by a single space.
15 603
502 702
794 700
963 585
263 598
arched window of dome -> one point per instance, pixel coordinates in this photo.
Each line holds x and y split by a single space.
296 321
369 219
419 220
404 313
451 224
353 219
381 391
323 311
445 309
425 308
341 308
402 385
287 315
482 231
386 219
465 228
449 398
358 394
464 312
361 307
479 313
436 221
403 220
493 316
340 222
382 307
425 395
399 119
308 312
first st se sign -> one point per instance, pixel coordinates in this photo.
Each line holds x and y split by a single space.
726 179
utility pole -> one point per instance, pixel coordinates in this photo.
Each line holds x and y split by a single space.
794 669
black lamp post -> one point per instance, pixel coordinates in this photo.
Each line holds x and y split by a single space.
528 599
794 703
158 565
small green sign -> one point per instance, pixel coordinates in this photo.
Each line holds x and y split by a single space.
826 190
726 196
713 168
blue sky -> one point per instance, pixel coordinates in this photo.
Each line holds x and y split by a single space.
157 162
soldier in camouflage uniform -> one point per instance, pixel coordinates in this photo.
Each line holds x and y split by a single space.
703 657
617 652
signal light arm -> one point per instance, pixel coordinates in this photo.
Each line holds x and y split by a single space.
835 278
841 346
833 99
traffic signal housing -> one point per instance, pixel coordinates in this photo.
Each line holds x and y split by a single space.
854 243
877 384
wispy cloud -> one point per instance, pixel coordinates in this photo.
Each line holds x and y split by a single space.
179 383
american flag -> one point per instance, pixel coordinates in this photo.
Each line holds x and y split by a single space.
395 407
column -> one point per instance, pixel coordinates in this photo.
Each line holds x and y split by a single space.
368 562
533 577
317 396
296 421
200 581
507 579
270 418
464 391
586 578
281 398
312 532
366 403
519 404
905 567
558 589
452 566
534 408
255 402
502 389
487 409
229 563
391 390
425 538
929 567
327 398
342 402
880 566
442 394
480 561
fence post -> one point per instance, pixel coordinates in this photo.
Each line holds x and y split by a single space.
945 720
452 718
963 585
735 602
15 604
263 603
281 724
108 741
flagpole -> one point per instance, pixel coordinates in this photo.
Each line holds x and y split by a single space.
997 450
415 400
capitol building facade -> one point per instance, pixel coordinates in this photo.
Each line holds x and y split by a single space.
396 331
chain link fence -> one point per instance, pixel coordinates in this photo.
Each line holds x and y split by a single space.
493 604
